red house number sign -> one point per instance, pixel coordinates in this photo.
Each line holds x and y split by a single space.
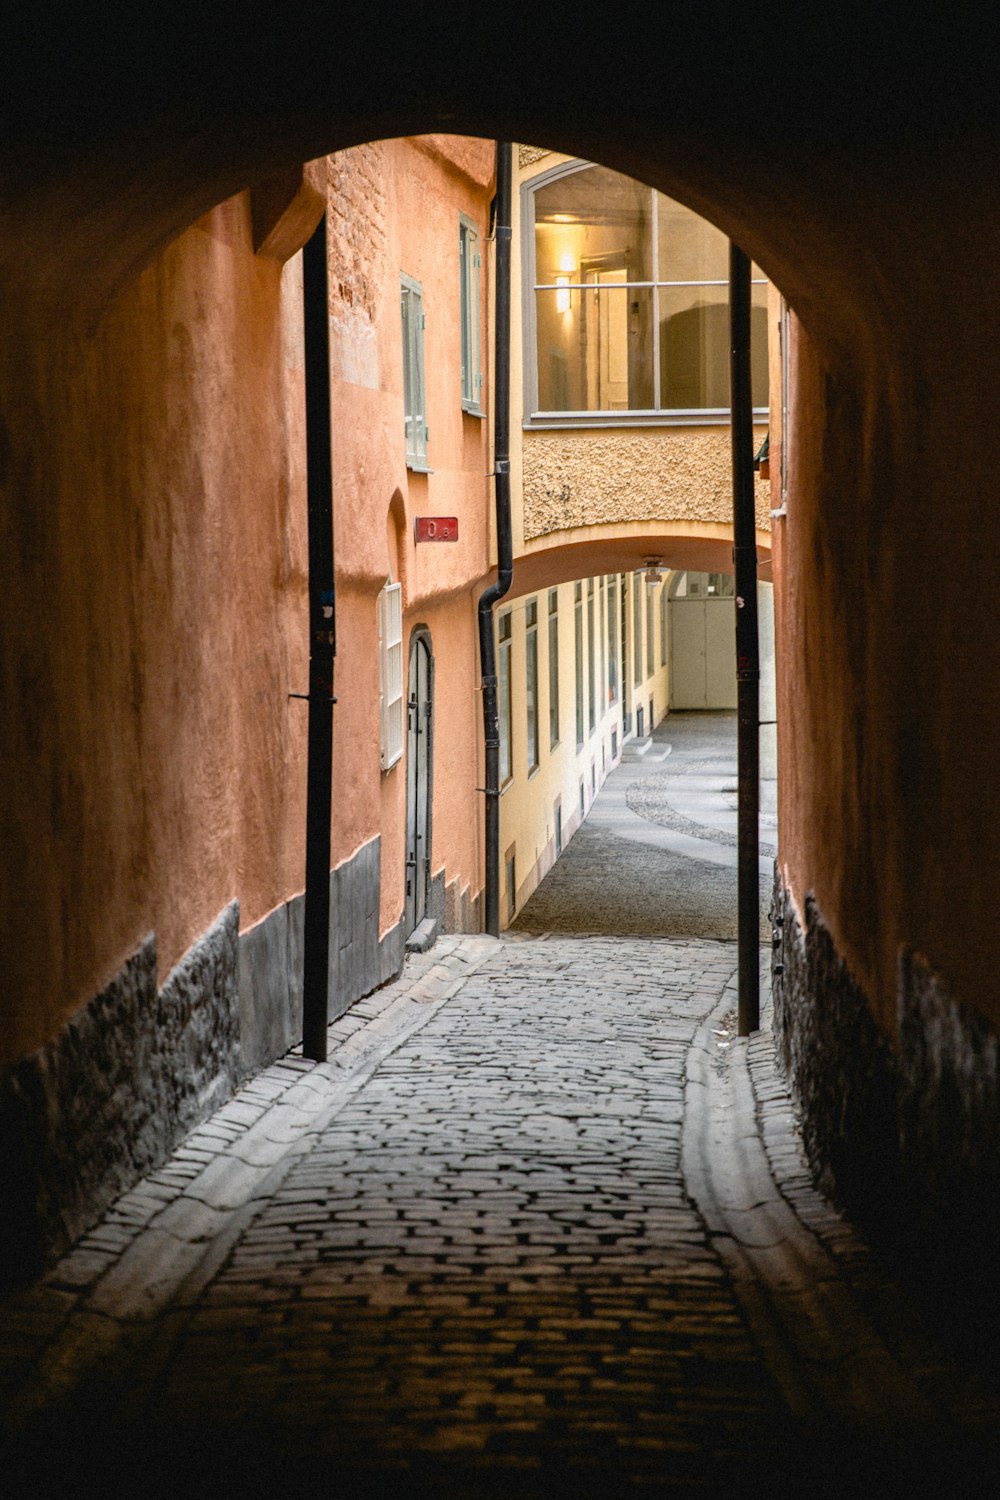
437 528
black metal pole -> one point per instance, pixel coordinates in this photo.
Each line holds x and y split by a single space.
322 648
747 645
505 563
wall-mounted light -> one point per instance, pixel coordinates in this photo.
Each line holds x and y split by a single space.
562 294
654 571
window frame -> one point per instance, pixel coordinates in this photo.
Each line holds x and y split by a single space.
591 662
637 620
392 731
505 717
533 417
614 693
413 325
581 738
553 617
469 262
532 736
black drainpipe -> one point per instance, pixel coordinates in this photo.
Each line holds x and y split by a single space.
322 647
747 646
505 561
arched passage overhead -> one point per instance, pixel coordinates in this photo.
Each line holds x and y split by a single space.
854 162
704 547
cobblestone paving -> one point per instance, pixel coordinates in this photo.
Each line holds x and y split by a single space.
485 1268
664 894
540 1228
605 882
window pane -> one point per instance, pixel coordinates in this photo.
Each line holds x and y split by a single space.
465 312
612 640
407 315
590 215
531 691
553 675
591 706
597 355
504 712
578 644
637 627
694 347
690 249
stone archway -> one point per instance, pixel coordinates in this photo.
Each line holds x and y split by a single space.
857 170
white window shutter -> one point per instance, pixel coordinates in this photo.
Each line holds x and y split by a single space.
390 631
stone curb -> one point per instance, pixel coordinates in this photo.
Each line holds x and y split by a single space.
163 1240
802 1314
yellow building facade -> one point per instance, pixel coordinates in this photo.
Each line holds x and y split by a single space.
620 479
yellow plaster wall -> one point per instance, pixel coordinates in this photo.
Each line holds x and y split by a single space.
527 816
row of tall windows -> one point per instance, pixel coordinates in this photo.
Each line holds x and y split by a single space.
598 620
414 323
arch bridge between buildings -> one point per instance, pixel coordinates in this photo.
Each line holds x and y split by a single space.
583 552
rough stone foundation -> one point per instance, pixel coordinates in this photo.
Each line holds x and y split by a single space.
86 1116
103 1103
905 1136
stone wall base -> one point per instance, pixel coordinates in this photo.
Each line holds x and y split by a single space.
905 1134
87 1115
107 1100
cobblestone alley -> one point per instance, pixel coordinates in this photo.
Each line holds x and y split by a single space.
540 1227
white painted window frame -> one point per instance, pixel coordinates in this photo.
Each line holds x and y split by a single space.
414 322
390 664
468 270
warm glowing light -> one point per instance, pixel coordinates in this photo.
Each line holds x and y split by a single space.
563 294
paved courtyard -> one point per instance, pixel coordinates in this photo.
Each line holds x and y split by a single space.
540 1227
656 855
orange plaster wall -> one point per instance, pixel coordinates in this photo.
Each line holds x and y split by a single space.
890 654
395 208
154 592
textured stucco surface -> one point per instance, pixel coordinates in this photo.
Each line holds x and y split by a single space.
586 478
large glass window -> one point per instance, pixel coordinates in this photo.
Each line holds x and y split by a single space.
630 301
531 681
